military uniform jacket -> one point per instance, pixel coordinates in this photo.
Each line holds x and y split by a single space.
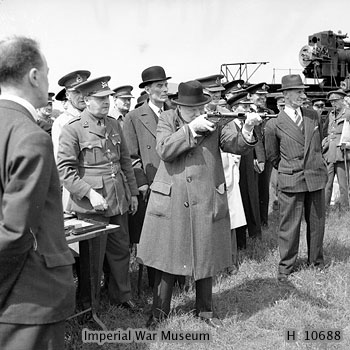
140 127
297 156
95 156
331 143
187 224
36 281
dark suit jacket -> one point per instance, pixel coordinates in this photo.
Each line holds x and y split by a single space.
140 128
36 281
297 157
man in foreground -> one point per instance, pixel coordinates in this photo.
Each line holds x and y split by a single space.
37 291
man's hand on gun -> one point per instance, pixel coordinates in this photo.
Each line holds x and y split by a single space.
252 119
201 124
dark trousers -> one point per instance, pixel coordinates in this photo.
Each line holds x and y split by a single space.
163 290
292 206
117 259
32 337
264 192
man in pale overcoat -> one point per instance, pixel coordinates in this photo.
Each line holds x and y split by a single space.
293 145
187 225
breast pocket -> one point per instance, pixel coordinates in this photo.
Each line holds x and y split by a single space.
160 199
220 209
91 152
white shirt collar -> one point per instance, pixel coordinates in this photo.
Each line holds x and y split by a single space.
154 108
291 112
21 101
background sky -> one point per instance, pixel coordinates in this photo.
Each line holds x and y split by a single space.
189 38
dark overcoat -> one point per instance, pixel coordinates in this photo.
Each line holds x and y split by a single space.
36 280
187 225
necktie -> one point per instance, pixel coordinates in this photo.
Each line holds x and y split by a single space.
299 121
101 122
160 111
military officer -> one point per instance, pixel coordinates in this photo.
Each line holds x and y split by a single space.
74 106
95 167
44 114
122 101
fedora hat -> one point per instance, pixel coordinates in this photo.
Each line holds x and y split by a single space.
292 81
191 94
152 74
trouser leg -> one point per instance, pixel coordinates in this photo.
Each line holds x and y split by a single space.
315 222
204 296
118 256
162 293
291 211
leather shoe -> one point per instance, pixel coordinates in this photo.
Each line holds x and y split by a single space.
128 305
213 322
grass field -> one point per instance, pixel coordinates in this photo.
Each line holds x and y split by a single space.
256 310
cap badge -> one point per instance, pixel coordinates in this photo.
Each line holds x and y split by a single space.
104 84
79 79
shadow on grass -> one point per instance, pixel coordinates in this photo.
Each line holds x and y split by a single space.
252 296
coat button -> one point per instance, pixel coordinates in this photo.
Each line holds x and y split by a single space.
90 146
108 151
148 146
189 179
186 204
113 175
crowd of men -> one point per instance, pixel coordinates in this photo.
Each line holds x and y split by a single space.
185 187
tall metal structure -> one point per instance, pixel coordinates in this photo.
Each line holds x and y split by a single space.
235 71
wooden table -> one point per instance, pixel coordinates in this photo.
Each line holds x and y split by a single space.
90 247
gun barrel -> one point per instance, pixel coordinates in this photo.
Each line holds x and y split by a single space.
233 115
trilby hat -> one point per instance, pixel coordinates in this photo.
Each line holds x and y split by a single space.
292 81
191 94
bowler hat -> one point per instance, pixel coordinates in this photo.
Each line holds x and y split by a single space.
191 94
212 83
292 81
260 88
97 87
153 74
70 80
336 95
123 91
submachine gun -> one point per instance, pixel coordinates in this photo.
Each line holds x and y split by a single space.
221 119
327 58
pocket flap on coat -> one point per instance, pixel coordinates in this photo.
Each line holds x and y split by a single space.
94 181
221 188
161 187
62 259
285 171
90 144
